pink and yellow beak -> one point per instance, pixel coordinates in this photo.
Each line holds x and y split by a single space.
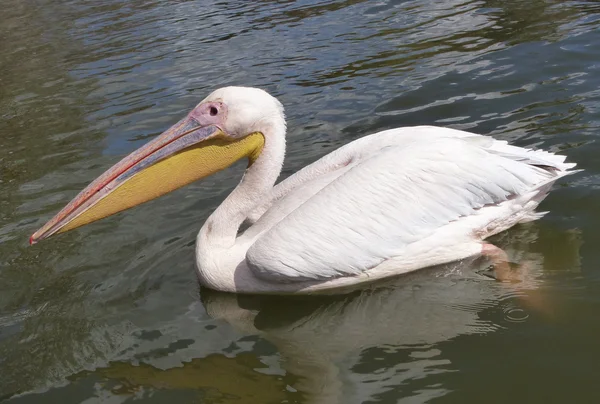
184 153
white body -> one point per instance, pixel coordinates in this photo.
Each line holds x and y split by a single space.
385 204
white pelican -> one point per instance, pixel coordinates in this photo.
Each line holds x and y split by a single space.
383 205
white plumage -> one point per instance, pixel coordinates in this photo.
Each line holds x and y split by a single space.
385 204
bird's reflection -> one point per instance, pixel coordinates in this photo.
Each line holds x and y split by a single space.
326 340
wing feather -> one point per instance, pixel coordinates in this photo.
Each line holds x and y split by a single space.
365 147
389 200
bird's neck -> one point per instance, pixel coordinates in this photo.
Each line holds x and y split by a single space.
221 228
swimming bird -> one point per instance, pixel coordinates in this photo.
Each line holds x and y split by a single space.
385 204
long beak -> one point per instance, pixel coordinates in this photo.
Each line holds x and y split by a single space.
184 153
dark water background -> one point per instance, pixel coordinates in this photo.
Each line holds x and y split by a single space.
112 312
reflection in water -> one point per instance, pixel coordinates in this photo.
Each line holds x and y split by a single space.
355 347
85 82
220 379
360 345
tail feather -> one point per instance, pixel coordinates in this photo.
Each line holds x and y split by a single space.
540 158
532 216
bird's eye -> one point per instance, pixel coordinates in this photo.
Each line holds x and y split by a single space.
213 111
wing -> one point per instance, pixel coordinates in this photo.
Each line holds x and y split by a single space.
389 200
306 182
313 177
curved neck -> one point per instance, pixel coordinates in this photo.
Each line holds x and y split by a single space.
221 228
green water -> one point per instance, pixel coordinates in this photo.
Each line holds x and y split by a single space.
112 312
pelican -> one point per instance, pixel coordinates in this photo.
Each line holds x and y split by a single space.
385 204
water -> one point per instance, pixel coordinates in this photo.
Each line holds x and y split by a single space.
113 312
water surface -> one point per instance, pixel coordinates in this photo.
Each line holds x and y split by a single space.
113 313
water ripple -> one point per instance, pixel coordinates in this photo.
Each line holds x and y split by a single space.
85 82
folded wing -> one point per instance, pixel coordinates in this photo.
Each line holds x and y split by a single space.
403 193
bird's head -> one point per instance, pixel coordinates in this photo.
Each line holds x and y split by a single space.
239 111
228 125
